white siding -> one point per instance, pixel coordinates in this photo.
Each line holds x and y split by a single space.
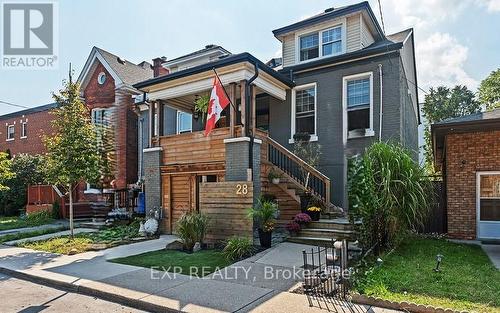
366 35
353 33
288 50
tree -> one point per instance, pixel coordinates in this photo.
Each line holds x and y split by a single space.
72 156
489 90
29 170
442 103
5 170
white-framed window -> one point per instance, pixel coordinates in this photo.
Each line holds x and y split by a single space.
321 43
304 109
184 122
24 129
11 130
358 105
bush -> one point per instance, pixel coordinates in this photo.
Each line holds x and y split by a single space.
28 170
302 218
238 248
191 228
39 218
293 227
389 192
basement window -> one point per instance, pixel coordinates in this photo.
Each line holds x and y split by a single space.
358 104
10 132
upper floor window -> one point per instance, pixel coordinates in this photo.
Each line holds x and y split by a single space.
24 130
309 47
304 110
10 132
320 44
184 122
101 117
358 101
101 79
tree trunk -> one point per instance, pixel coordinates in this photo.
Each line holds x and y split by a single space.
71 211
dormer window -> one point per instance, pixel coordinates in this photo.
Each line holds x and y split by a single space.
326 42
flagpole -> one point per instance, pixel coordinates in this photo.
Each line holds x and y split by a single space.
230 101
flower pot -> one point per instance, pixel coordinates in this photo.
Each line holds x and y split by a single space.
265 238
304 202
314 215
275 181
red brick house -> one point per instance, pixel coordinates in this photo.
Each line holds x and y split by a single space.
467 151
22 131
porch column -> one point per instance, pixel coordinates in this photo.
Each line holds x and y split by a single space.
152 177
243 106
232 111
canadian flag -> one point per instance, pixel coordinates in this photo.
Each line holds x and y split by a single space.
218 102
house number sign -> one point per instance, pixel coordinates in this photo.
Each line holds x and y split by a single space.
241 189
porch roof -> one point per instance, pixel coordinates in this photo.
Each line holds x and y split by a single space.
164 81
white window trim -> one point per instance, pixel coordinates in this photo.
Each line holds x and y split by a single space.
25 135
319 30
369 132
478 201
100 77
178 131
9 126
93 191
314 137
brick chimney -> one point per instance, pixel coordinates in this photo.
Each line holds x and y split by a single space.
159 70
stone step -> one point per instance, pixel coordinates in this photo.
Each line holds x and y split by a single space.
338 223
327 233
322 242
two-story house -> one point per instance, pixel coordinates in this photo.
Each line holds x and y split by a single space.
341 80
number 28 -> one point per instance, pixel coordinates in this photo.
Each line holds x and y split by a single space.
241 189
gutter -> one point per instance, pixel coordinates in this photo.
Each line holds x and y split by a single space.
249 133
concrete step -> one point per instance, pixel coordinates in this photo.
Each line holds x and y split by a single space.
337 223
322 242
93 225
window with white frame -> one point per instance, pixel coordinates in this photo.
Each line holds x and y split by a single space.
358 103
319 44
10 132
24 129
184 122
304 109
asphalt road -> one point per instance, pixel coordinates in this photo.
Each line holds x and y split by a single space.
21 296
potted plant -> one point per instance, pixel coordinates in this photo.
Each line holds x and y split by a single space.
302 218
314 212
201 106
265 217
274 176
293 227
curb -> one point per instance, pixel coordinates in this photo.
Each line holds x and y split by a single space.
401 306
92 292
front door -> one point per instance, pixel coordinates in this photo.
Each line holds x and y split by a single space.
488 205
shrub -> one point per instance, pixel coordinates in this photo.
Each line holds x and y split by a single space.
191 228
39 218
302 218
293 227
389 192
264 214
238 248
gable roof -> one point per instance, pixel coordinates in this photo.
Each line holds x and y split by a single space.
207 49
330 14
37 109
122 71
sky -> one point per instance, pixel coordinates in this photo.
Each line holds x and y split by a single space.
457 41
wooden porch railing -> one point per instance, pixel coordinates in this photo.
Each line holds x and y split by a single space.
297 169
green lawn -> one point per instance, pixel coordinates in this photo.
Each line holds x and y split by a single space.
467 280
17 236
13 222
204 261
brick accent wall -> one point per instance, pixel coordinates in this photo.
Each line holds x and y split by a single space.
467 154
38 125
99 96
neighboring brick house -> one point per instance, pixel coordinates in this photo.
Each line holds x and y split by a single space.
23 131
106 86
467 152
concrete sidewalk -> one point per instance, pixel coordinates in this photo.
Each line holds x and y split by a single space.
157 291
54 225
51 235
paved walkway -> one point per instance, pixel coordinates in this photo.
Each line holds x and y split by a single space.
493 252
55 224
258 284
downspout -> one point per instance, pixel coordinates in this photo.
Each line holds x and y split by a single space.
249 133
381 103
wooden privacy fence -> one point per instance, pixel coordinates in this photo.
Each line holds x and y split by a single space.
42 197
226 204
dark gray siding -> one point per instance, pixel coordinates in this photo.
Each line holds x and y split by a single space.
143 140
330 115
